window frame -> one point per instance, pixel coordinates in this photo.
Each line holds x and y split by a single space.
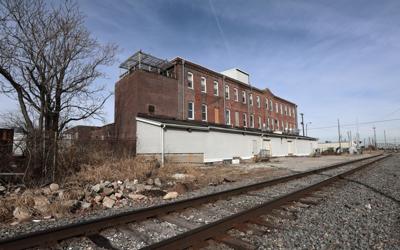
251 99
216 88
244 97
203 80
258 101
228 117
205 112
191 80
192 117
244 116
236 94
251 121
227 92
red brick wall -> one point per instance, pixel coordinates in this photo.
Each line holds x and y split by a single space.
135 92
234 106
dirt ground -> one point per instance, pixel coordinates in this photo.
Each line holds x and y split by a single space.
275 167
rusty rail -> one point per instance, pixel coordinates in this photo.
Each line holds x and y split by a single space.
93 226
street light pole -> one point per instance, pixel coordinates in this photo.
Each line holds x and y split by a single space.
307 127
375 144
340 143
302 122
384 134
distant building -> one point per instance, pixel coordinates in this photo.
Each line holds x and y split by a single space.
87 133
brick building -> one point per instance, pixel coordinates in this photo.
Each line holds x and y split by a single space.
183 90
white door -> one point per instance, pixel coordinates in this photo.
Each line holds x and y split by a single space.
255 147
290 148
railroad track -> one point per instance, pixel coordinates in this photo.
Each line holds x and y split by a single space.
285 190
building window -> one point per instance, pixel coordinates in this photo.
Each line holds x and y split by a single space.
287 125
271 106
203 85
286 110
244 97
236 94
227 92
259 122
251 99
151 109
228 117
276 124
216 88
258 102
237 124
244 120
283 126
290 111
190 80
276 107
266 103
268 125
281 109
204 112
190 110
251 121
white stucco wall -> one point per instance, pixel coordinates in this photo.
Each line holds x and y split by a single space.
216 145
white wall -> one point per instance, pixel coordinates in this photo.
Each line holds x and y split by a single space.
148 138
215 145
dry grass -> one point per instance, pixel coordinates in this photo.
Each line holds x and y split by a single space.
114 170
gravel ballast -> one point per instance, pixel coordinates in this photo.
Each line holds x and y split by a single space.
360 212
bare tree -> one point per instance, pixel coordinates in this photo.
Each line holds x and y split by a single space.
48 63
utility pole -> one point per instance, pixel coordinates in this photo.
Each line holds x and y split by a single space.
358 136
307 127
302 122
375 144
384 135
340 144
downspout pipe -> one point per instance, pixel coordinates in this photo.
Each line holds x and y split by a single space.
183 89
224 97
162 144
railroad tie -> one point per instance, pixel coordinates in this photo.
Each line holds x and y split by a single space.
178 221
235 243
126 229
101 241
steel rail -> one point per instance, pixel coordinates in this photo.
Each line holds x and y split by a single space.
219 228
92 226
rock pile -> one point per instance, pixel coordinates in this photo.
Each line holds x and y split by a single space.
48 201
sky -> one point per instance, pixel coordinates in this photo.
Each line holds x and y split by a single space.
334 59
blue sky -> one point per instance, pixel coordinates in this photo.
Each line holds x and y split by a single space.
335 59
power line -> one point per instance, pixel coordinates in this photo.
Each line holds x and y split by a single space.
391 113
355 124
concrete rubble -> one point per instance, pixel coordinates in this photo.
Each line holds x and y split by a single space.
48 200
